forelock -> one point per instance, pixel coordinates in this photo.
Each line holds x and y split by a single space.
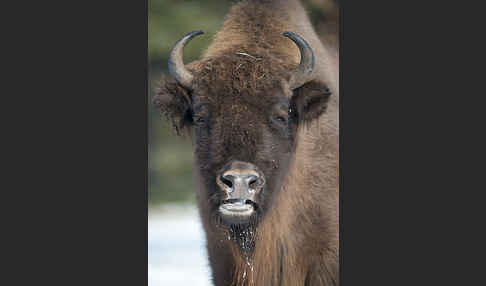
241 73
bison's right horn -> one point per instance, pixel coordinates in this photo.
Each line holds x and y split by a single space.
303 73
176 62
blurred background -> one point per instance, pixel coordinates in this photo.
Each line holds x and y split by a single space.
170 185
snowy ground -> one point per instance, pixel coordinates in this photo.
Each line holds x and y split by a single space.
176 247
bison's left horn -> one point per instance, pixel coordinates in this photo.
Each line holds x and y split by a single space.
303 72
176 62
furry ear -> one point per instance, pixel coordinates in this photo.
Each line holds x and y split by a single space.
310 100
174 102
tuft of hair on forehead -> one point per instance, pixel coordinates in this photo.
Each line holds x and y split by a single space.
242 72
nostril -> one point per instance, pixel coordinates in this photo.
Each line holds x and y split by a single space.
227 182
253 180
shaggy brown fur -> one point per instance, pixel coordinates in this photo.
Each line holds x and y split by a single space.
241 86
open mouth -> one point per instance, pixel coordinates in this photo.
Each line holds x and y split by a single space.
235 207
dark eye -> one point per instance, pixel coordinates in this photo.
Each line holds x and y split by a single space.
199 120
280 119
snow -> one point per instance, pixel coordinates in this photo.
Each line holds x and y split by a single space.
176 247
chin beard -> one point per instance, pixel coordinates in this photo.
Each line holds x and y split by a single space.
243 234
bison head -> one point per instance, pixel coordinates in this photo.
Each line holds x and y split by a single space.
243 112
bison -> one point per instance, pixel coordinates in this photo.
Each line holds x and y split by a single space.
261 106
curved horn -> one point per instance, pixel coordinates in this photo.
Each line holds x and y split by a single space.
176 63
304 71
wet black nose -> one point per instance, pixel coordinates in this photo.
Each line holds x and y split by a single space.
230 179
241 180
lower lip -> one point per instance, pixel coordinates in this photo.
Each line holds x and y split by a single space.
236 209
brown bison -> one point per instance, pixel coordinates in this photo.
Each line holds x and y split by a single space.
261 106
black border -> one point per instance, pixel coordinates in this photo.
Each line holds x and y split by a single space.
79 128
